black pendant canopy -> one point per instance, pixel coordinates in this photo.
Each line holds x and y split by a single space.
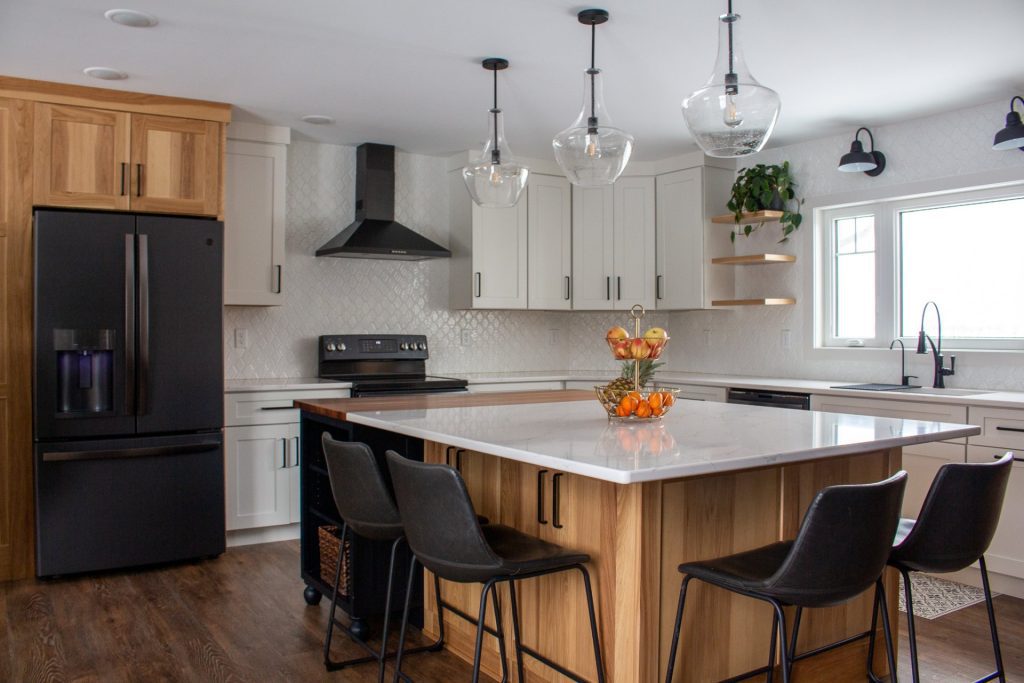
871 163
1013 134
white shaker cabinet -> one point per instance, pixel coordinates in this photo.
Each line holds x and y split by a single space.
488 264
613 245
687 240
549 264
261 451
254 214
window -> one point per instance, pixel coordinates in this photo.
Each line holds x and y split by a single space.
884 261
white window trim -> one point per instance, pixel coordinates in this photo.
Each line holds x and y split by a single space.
815 254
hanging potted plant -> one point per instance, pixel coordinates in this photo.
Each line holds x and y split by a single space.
765 188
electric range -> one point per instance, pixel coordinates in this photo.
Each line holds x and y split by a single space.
381 364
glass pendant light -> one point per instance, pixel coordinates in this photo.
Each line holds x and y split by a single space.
496 180
732 115
591 151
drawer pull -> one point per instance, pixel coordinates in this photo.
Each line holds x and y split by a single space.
1010 429
556 501
278 408
999 455
540 497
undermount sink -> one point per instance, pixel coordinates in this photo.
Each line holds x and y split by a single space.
945 392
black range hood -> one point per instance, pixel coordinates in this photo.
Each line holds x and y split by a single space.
376 234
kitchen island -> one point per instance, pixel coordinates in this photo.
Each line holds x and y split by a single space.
707 480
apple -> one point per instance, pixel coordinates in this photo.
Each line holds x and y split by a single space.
639 349
617 333
656 333
621 350
655 347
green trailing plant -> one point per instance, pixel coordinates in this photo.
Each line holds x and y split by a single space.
763 187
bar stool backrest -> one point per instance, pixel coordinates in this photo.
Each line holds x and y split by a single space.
958 518
440 524
843 543
360 492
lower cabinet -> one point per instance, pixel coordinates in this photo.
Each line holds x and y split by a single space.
922 462
1006 554
696 392
261 451
262 474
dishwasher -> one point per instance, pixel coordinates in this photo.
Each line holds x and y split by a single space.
773 399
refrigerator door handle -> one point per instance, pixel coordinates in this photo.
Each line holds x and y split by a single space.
153 451
143 369
129 324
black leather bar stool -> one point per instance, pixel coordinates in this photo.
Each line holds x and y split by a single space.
954 529
367 508
839 552
447 538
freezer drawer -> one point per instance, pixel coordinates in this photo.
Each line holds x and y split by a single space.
114 503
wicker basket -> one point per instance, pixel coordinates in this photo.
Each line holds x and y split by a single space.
329 543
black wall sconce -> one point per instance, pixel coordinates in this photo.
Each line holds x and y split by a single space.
872 163
1013 134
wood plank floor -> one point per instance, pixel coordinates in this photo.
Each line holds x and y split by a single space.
242 618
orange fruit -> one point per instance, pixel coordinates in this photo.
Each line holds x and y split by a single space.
643 409
667 399
657 412
622 411
628 403
635 395
655 400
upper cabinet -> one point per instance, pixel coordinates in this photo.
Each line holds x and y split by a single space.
176 163
254 214
81 157
101 159
488 264
614 245
549 240
687 240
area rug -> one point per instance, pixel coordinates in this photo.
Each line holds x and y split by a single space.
935 597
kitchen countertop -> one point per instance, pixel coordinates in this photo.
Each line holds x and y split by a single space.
233 386
575 436
994 398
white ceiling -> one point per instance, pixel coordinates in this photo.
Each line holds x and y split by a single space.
406 72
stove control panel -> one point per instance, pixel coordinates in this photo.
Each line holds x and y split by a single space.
373 347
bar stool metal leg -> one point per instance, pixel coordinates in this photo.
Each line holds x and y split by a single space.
911 631
334 599
516 636
999 672
781 617
481 627
387 610
770 674
593 623
890 648
677 629
405 622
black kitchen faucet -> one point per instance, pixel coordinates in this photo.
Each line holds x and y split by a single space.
941 371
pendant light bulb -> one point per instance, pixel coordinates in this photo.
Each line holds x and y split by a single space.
495 180
591 151
732 115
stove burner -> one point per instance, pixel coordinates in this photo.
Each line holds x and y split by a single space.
381 365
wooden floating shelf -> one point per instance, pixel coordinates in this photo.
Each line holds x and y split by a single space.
753 259
754 302
748 217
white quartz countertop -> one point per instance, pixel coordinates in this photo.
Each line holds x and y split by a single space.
977 397
695 438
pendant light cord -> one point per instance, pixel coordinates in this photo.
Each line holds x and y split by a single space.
731 82
495 153
592 121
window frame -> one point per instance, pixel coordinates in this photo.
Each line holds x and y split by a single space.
888 267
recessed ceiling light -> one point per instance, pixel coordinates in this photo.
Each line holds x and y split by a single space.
105 73
130 17
318 119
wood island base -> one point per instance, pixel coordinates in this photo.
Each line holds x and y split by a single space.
637 535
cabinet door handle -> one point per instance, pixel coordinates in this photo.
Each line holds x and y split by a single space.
556 500
479 283
568 291
458 459
999 455
295 451
284 453
608 288
1009 429
280 277
618 287
448 455
657 287
124 174
540 497
277 408
138 180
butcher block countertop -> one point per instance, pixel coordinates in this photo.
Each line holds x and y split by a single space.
338 408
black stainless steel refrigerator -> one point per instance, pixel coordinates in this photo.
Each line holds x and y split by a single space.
129 466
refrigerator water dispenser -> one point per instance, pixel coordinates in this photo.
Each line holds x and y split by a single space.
85 371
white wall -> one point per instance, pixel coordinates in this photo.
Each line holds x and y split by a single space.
749 340
353 296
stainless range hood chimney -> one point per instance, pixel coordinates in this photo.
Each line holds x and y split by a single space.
375 234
